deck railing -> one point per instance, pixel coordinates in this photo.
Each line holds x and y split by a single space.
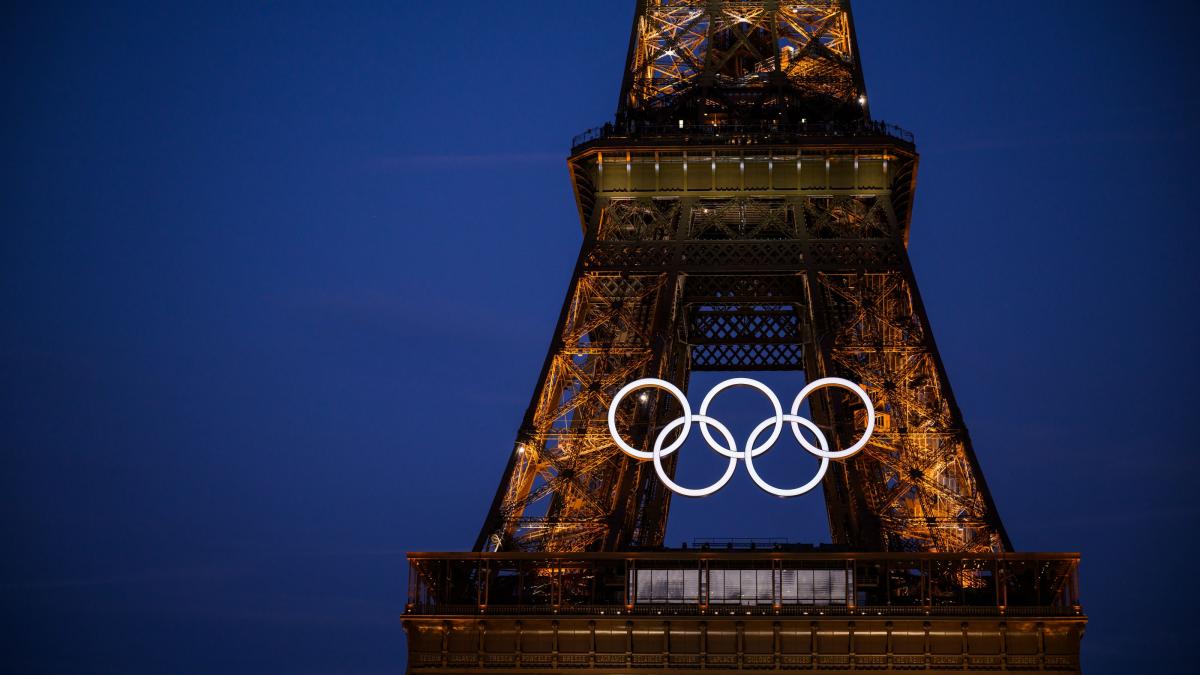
691 582
738 133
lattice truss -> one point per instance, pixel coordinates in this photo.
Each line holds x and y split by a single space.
916 473
571 489
748 218
639 220
741 46
562 490
728 219
744 322
848 218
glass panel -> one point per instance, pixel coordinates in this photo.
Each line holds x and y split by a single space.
815 587
667 586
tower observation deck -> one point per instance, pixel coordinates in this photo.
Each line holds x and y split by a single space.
743 211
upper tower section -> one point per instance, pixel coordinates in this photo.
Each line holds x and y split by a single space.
742 61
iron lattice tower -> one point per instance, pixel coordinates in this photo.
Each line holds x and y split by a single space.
744 212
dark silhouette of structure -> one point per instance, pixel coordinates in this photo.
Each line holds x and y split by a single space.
744 212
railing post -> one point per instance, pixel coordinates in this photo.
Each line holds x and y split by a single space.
630 582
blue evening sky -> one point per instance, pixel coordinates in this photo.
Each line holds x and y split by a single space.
278 278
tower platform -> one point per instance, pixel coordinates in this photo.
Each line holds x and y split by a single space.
681 611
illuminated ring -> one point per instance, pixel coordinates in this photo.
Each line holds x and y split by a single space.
732 454
843 384
780 492
730 448
741 382
657 384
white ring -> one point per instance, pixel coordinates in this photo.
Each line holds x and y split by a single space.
753 384
780 492
657 384
730 448
843 384
698 492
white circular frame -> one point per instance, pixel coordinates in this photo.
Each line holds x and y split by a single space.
730 448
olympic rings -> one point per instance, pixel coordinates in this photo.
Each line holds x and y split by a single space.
729 448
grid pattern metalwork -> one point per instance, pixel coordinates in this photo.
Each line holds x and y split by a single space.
743 249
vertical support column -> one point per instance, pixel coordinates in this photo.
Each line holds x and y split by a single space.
496 514
1041 655
482 644
776 645
992 515
629 589
888 642
1073 587
925 628
1004 645
554 644
812 645
776 580
647 500
851 585
966 644
740 642
844 498
926 585
445 643
592 644
628 644
517 628
850 644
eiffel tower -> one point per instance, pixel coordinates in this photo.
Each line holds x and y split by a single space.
743 212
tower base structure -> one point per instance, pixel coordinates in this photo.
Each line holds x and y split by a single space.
691 610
